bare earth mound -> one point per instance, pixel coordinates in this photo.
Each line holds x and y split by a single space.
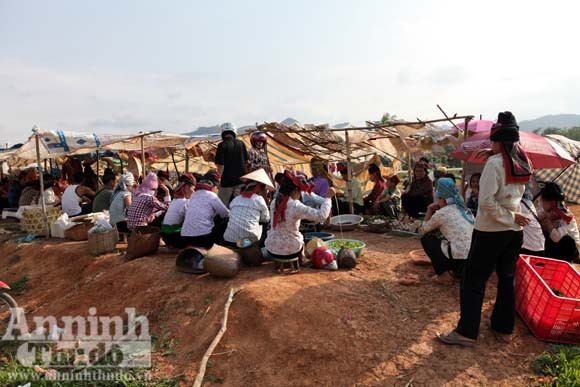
318 328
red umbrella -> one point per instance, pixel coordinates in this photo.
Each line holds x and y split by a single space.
475 126
543 152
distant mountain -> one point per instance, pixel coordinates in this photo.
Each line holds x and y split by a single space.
289 121
205 131
551 121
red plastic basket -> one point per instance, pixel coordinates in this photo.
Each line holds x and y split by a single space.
549 317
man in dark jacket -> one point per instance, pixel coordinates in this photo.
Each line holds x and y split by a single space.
230 158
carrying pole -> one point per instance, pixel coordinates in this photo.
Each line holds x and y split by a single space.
98 162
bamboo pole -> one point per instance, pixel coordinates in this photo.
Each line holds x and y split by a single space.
41 173
464 163
389 125
98 162
186 160
349 174
143 156
174 163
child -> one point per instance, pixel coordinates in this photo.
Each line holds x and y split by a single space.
390 200
559 225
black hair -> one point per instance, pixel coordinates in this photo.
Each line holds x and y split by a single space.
474 175
279 177
78 177
108 177
374 168
48 180
552 191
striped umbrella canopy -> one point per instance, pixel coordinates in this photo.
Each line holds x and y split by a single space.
568 178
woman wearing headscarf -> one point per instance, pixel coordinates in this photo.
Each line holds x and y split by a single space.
199 227
121 200
284 240
146 209
497 236
175 215
559 225
449 216
249 213
420 193
371 201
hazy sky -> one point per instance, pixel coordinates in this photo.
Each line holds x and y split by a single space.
123 66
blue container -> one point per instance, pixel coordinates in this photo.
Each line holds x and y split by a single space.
325 236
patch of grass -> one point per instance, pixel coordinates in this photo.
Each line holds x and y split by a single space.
560 367
213 379
19 286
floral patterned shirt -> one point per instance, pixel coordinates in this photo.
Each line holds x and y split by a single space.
455 228
285 238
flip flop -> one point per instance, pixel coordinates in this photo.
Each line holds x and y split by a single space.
454 338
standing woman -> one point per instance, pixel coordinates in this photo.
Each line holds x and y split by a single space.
497 236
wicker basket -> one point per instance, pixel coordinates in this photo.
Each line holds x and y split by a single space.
103 242
33 220
143 241
80 232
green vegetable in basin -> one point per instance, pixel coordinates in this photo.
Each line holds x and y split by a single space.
356 246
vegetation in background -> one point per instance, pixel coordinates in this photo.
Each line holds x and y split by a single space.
572 133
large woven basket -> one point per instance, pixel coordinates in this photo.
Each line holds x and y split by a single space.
32 221
103 242
143 241
80 232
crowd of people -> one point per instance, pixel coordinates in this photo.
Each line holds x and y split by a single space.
466 233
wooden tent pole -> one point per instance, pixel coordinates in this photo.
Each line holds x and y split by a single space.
349 174
464 163
41 173
98 162
143 156
186 160
174 163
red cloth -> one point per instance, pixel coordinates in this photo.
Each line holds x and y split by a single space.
378 189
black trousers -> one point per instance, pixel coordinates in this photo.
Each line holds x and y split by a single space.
206 241
174 240
564 250
489 251
414 204
432 246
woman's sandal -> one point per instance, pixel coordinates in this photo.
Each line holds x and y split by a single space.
454 338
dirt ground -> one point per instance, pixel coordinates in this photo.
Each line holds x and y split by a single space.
316 328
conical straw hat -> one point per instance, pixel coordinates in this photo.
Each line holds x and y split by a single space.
260 176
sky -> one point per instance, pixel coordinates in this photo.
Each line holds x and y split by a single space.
124 66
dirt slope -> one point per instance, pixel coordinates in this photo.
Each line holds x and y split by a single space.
319 328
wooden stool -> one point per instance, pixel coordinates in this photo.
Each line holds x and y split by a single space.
287 266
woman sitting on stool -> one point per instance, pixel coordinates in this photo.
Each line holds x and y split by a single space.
199 227
284 240
559 225
175 215
455 222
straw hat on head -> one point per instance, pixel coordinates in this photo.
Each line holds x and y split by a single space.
260 176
